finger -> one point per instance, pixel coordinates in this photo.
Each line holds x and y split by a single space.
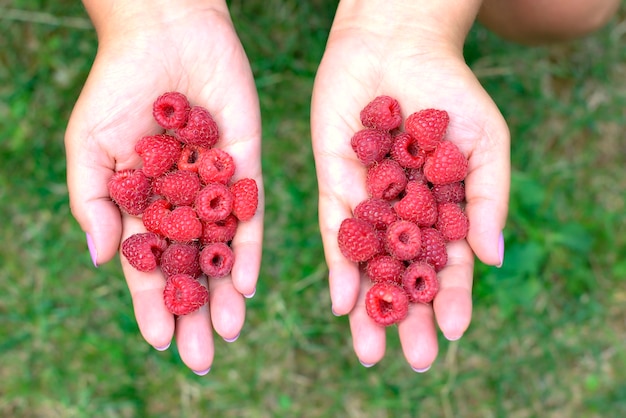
418 336
228 309
368 338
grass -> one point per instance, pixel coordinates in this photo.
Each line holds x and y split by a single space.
547 337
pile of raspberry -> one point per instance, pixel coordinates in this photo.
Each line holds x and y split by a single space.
188 200
415 183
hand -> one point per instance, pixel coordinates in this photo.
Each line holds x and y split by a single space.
193 50
367 56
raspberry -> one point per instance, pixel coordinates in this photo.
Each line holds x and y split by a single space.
403 240
446 164
358 240
385 180
371 145
449 192
143 251
451 221
385 268
200 130
171 110
420 282
418 205
220 231
406 151
214 202
428 127
382 113
181 258
216 260
190 157
386 303
158 152
433 249
245 198
377 212
183 294
178 187
130 190
216 166
182 225
416 174
154 214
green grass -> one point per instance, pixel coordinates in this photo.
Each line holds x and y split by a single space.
547 337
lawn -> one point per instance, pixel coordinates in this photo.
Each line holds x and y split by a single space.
548 335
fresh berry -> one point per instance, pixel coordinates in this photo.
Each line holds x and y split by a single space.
371 145
385 268
143 250
181 258
446 164
434 250
385 180
245 198
378 212
406 151
428 127
182 225
216 166
403 240
449 192
190 157
382 113
200 129
130 189
216 260
220 231
418 205
386 303
214 202
154 214
452 221
171 110
358 240
179 187
420 282
416 174
183 294
159 153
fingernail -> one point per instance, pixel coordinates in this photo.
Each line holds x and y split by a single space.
424 370
202 372
230 340
163 348
249 296
368 365
93 252
501 249
455 338
333 311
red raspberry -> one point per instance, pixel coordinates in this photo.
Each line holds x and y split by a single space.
358 240
378 212
416 174
220 231
449 192
385 268
200 130
216 260
428 127
154 214
130 190
182 225
158 152
382 113
385 180
406 152
446 164
386 303
181 258
371 145
403 240
183 294
216 166
434 250
452 221
214 202
171 110
418 205
179 187
245 198
420 282
143 251
190 157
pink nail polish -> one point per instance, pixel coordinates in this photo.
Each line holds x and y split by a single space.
501 249
93 252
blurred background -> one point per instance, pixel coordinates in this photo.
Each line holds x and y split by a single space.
548 337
